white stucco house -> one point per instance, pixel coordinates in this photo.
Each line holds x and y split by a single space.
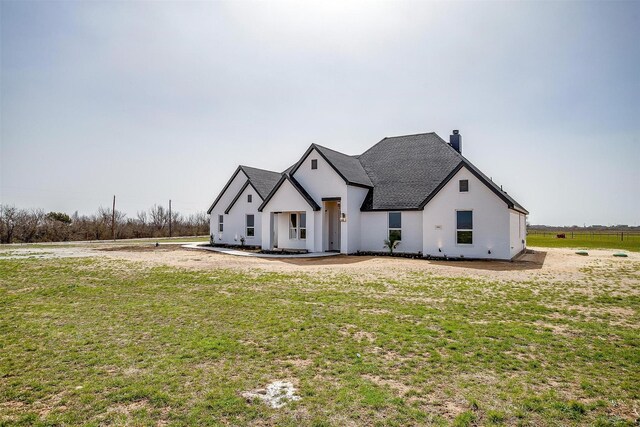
418 188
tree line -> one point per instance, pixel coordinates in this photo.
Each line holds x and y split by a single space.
35 225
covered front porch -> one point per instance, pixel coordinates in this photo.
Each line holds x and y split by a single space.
290 230
292 220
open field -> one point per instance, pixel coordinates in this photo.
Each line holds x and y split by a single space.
119 242
578 240
139 335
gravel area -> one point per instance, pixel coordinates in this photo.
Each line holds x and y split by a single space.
543 263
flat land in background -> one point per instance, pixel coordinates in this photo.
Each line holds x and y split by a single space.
586 240
145 335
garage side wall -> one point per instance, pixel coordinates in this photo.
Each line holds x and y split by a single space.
517 232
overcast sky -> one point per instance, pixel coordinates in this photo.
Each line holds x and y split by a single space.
153 101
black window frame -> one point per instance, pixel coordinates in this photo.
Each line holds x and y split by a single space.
314 164
463 185
293 226
249 198
464 228
298 227
220 223
394 228
250 230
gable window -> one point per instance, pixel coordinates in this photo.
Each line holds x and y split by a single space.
249 198
220 223
464 227
314 163
250 229
298 226
464 185
395 225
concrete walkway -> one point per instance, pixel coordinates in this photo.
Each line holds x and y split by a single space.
257 255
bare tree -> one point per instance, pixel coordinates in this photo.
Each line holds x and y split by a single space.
159 217
142 218
21 225
30 226
8 222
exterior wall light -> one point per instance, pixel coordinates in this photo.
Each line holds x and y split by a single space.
343 217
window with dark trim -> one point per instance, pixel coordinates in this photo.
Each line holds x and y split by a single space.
464 185
464 227
249 198
395 226
293 226
220 223
303 225
298 226
251 231
314 163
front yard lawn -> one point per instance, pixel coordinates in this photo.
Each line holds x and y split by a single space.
106 342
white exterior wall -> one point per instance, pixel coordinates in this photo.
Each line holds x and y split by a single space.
375 230
351 206
235 221
411 232
517 232
523 230
286 200
324 182
490 221
229 232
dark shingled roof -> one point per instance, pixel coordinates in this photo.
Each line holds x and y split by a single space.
262 180
401 172
348 167
287 177
405 170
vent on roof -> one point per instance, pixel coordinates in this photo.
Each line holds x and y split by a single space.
455 141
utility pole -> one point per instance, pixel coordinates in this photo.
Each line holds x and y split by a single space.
113 219
170 218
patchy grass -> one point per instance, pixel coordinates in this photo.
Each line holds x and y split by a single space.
142 241
585 241
93 342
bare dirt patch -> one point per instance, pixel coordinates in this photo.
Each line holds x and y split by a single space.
143 248
276 395
547 264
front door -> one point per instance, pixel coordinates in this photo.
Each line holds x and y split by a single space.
333 229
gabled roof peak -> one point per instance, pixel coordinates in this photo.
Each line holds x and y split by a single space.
347 167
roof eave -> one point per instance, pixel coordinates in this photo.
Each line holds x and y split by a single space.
465 163
295 185
235 199
390 209
326 159
215 202
519 209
